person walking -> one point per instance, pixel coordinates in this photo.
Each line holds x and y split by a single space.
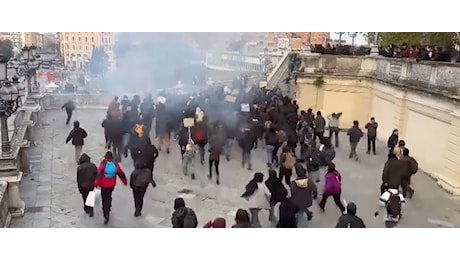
69 108
349 219
277 191
140 178
393 141
406 179
246 142
320 125
214 157
355 133
288 161
334 127
182 216
77 135
371 127
242 219
332 187
303 192
148 154
86 175
257 195
106 179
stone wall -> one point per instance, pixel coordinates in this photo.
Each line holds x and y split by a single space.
439 78
418 99
56 101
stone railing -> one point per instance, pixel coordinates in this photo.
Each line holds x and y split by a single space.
56 101
15 165
280 72
236 61
434 77
5 216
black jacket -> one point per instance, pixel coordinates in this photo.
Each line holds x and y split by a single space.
350 221
86 173
141 178
393 171
246 141
277 190
77 135
149 153
114 129
287 218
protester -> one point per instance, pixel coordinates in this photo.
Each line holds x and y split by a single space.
246 142
277 191
77 135
215 223
332 187
334 127
393 172
406 178
242 219
287 161
214 157
139 181
114 130
188 161
147 113
148 154
371 127
106 179
69 108
258 196
86 175
303 192
393 141
349 219
182 216
355 135
392 202
287 214
320 125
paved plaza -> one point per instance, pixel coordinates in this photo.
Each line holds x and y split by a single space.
52 198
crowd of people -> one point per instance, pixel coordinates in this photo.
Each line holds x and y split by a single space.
427 53
300 151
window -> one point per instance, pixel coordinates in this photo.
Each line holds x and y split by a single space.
80 47
67 46
86 39
73 47
73 38
79 39
92 39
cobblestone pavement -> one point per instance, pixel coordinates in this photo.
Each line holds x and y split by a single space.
52 198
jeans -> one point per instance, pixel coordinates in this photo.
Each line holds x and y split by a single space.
201 152
216 164
337 201
117 149
106 194
69 116
187 165
84 194
353 153
334 131
246 159
78 149
371 144
270 149
138 193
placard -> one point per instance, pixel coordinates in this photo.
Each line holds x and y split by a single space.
189 122
245 108
230 98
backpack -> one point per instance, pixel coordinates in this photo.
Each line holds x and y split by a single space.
139 130
190 220
289 161
110 170
199 135
393 205
327 156
413 166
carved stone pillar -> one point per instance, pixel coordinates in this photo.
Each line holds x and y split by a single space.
24 163
17 205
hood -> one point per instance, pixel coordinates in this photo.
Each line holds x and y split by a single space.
302 183
300 171
84 158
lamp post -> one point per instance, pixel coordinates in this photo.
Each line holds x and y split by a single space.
27 66
10 101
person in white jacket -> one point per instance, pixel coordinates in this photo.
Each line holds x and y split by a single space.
392 202
258 196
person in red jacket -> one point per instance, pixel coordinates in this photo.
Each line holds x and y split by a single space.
106 180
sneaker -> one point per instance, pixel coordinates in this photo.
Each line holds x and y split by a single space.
217 182
106 221
227 158
167 151
137 214
193 176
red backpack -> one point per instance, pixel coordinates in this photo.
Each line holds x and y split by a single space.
199 134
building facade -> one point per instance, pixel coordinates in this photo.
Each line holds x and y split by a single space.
76 47
34 38
18 40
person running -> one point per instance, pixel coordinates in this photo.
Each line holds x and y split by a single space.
140 178
77 135
349 219
288 161
86 175
332 187
182 216
392 202
69 108
214 157
257 195
106 180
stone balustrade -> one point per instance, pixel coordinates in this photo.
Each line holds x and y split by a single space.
432 77
15 165
235 61
56 101
280 72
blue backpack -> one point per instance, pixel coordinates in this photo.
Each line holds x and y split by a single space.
110 170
